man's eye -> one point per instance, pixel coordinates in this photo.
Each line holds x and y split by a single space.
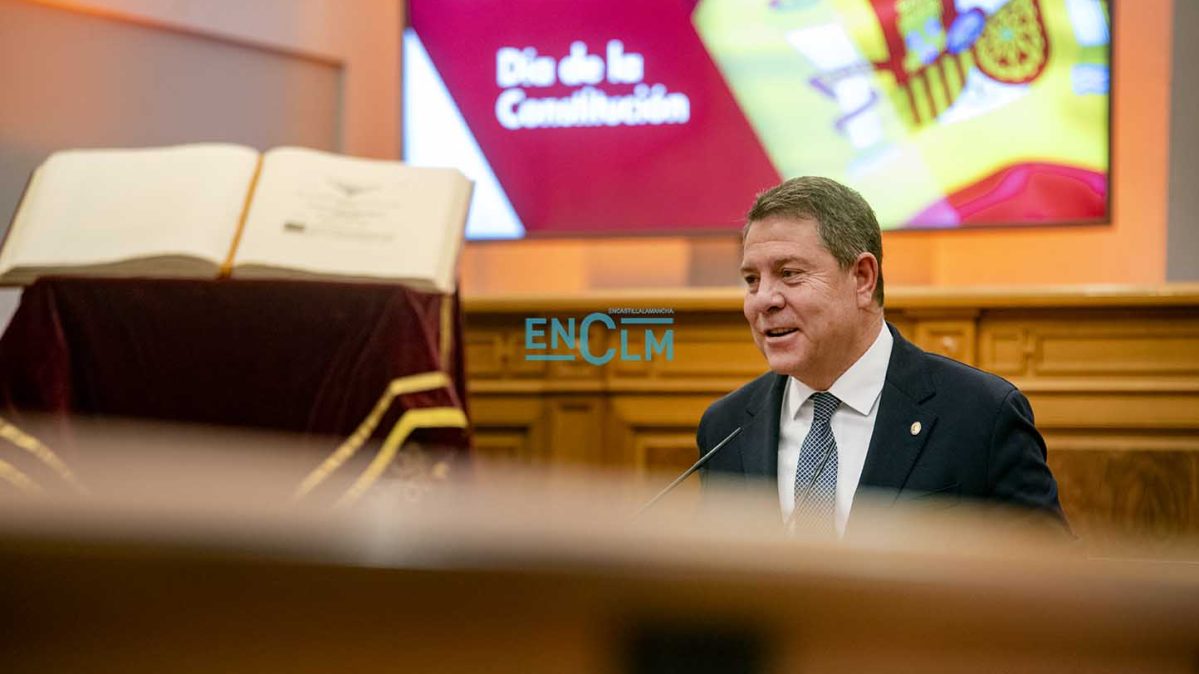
750 280
790 273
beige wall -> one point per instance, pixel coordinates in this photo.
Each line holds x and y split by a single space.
360 38
363 36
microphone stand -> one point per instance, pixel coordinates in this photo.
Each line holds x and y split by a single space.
687 473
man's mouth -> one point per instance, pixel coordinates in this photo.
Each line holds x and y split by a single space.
780 332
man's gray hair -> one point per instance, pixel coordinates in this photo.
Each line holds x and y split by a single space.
845 222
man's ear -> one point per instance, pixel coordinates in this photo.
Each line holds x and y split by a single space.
865 276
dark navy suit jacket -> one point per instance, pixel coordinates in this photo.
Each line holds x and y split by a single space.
976 436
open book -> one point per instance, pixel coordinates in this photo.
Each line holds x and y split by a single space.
208 210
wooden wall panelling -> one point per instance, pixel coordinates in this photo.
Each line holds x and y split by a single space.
1112 374
710 354
486 353
655 433
950 333
1116 343
1004 349
1094 343
902 322
576 429
1099 369
526 410
1113 409
1148 496
1116 394
509 428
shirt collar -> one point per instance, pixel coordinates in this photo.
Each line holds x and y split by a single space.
858 387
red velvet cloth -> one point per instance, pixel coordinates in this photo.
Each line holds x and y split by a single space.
303 356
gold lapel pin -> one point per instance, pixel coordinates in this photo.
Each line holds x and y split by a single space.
915 428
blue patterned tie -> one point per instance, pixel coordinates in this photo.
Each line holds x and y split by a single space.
816 494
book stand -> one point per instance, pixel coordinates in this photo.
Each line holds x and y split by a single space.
316 358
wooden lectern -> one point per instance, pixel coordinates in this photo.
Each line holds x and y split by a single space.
521 580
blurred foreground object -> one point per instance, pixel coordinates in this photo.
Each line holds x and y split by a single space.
557 573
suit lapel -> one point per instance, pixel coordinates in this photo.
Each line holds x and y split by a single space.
897 440
893 447
760 434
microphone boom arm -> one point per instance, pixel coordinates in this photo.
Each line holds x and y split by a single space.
698 464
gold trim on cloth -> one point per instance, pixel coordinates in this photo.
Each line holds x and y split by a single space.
416 383
25 441
429 417
10 474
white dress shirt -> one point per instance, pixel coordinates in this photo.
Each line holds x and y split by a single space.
859 389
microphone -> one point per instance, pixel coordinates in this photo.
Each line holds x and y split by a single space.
687 473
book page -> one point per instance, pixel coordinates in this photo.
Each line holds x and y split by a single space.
88 207
327 214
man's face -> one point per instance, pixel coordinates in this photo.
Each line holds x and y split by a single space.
802 307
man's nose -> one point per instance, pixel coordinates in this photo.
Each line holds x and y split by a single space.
768 297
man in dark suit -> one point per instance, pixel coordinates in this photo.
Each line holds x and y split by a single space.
849 403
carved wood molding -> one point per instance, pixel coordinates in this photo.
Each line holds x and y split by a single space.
1112 374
